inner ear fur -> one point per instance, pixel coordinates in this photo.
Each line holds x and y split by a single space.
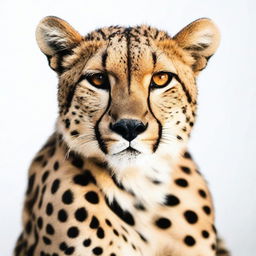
200 39
54 34
56 38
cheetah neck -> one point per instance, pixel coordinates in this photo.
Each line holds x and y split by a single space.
143 182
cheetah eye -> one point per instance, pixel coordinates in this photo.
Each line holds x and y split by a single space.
99 80
161 79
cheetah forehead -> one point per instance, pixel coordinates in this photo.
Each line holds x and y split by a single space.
127 50
138 34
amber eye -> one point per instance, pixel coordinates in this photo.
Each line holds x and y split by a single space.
161 79
99 80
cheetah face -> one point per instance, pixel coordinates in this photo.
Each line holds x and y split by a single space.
126 94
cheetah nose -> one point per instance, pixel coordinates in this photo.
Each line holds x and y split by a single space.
129 129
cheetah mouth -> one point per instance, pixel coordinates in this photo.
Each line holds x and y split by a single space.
129 150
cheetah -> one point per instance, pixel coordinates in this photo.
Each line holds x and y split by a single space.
115 178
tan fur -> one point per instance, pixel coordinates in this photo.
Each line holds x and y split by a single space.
146 195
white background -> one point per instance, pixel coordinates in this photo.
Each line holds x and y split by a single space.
223 142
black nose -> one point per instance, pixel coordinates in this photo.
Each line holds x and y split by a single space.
128 128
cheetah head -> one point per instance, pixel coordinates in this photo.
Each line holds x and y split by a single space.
127 95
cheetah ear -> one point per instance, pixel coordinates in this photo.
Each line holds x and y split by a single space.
56 38
201 39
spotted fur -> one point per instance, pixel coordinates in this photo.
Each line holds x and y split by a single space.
90 190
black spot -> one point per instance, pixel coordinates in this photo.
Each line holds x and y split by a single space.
87 242
187 155
213 247
191 217
77 161
202 193
81 214
63 246
100 164
108 222
207 209
44 188
115 232
62 215
179 137
156 182
124 237
97 250
40 222
205 234
55 186
92 197
80 179
46 240
140 206
51 152
189 241
69 250
28 227
42 195
84 179
112 254
31 182
49 229
122 214
73 232
171 200
163 223
185 169
39 158
104 58
154 58
67 197
56 166
49 209
67 123
181 182
94 222
100 233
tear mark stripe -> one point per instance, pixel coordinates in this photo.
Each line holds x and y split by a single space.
189 98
